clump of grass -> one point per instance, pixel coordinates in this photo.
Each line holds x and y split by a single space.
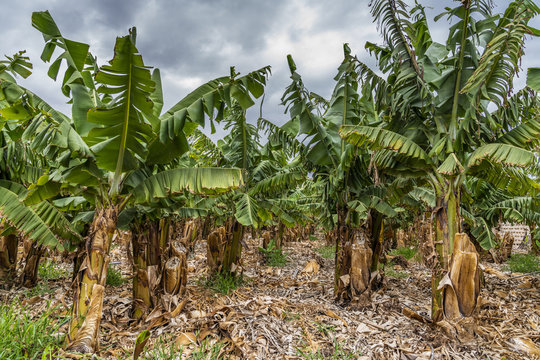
40 289
407 252
337 352
167 350
312 238
208 351
273 256
523 263
26 337
327 252
223 283
114 277
48 270
391 272
164 350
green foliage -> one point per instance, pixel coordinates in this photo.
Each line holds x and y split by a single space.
391 272
168 350
40 289
327 252
164 350
273 256
208 351
114 277
325 329
48 270
337 352
223 283
25 337
407 252
523 263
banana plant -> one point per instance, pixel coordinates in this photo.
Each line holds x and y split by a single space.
353 200
118 125
266 178
435 121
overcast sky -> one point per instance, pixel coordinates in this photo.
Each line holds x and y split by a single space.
193 42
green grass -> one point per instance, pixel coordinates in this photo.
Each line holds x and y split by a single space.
391 272
169 350
312 238
24 337
40 289
223 283
523 263
337 352
114 277
407 252
48 270
164 350
327 252
273 256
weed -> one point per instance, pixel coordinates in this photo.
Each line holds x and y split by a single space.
523 263
208 351
114 277
169 350
325 329
312 237
48 270
407 252
223 283
24 337
290 316
40 289
273 256
164 350
327 252
391 272
337 352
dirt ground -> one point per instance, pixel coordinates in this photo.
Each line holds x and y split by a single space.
280 312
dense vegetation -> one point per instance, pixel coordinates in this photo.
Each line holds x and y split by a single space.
435 139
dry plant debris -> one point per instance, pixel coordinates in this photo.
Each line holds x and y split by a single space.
281 310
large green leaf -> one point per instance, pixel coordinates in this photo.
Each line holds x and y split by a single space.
378 138
210 97
246 210
504 154
195 180
123 130
75 53
533 79
26 220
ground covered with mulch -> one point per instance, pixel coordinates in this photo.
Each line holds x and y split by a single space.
289 312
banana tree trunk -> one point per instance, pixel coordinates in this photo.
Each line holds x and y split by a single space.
146 242
280 236
376 240
8 257
89 293
30 272
352 275
233 250
446 227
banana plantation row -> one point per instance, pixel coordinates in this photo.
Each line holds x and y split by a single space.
441 134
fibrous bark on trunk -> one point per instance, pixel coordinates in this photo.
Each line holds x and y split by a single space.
224 249
461 285
8 257
31 266
353 262
174 275
146 261
90 285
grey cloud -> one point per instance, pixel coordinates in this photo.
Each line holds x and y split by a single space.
199 40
